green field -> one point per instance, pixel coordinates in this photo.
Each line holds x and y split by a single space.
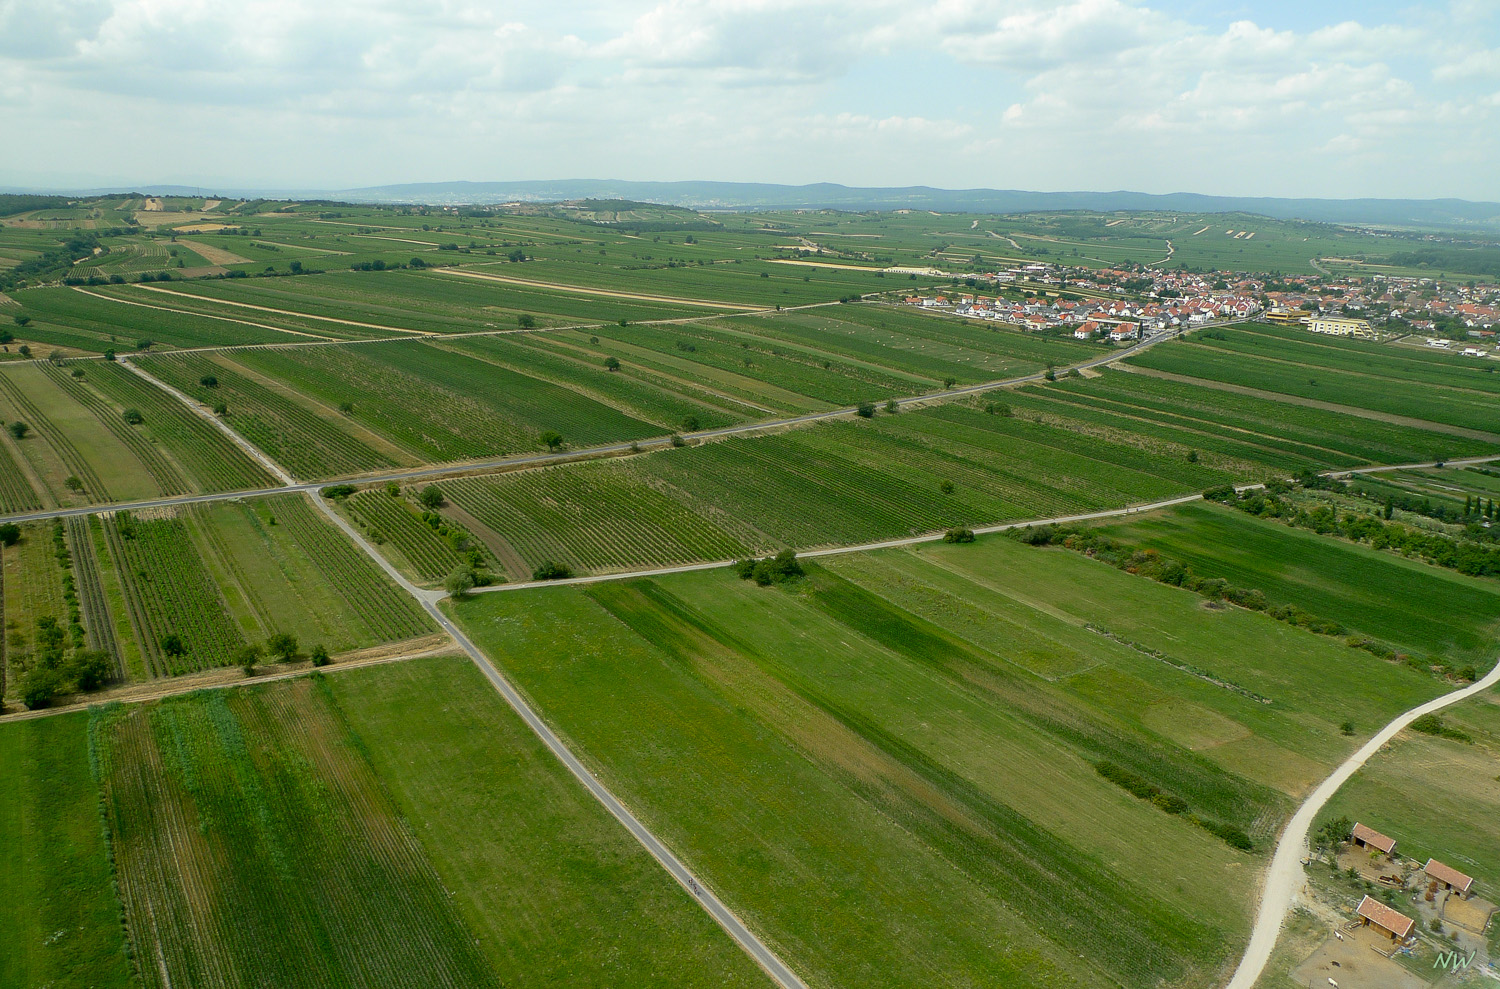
925 715
324 834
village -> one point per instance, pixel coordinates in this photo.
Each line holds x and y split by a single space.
1390 921
1121 305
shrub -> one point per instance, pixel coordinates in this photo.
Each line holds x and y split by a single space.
18 429
892 406
39 687
209 381
90 669
946 487
338 491
282 645
133 417
460 582
611 363
319 655
678 440
552 571
958 536
1432 724
865 410
431 497
10 534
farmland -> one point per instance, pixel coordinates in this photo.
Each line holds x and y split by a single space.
922 706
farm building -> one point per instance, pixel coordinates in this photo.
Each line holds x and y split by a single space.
1393 925
1450 877
1341 326
1364 837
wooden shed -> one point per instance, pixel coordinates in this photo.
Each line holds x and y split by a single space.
1364 837
1448 876
1393 925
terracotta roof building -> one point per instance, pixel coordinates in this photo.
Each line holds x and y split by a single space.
1365 837
1376 914
1448 876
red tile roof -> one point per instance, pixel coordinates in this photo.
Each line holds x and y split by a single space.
1447 874
1374 838
1383 916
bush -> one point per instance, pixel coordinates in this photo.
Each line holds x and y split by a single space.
946 487
865 410
776 569
460 582
209 381
10 534
338 491
90 669
282 645
958 536
320 655
552 571
678 441
431 497
18 429
1432 724
40 686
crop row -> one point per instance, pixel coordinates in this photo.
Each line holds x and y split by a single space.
167 477
384 609
391 520
16 493
307 444
99 626
93 487
277 863
594 517
214 460
641 399
443 405
170 593
1385 395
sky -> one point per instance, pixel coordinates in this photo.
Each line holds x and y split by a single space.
1318 98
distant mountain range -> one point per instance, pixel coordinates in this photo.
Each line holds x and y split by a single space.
1446 213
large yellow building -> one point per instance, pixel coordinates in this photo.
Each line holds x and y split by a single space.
1341 326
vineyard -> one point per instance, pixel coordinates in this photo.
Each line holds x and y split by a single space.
215 462
593 517
388 612
68 457
181 621
167 478
16 492
255 846
443 405
305 442
112 323
394 523
98 623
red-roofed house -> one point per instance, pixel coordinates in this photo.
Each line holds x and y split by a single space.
1450 877
1364 837
1395 926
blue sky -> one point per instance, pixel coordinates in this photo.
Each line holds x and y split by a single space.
1332 98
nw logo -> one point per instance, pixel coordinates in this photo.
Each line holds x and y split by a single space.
1452 959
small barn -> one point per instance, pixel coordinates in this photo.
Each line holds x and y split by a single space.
1393 925
1364 837
1448 877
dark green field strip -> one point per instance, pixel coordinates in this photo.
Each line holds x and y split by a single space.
639 399
1380 359
16 492
307 444
1415 607
93 488
214 460
592 517
59 918
163 472
1356 436
736 282
444 405
130 323
98 623
256 846
1409 399
387 611
391 521
841 382
1252 451
169 592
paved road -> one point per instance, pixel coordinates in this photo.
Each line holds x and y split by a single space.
1285 876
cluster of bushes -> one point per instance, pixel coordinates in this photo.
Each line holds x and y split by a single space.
1165 570
1142 788
61 663
552 570
282 647
1432 724
776 569
1465 556
958 536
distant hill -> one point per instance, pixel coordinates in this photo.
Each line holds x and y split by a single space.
826 195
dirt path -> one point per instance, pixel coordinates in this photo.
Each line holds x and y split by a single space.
285 312
1285 876
212 254
1312 403
603 293
232 676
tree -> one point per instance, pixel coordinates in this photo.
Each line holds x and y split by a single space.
172 645
73 483
209 381
347 408
689 423
1192 456
431 497
220 409
246 656
459 583
144 344
133 417
282 645
552 571
949 382
517 256
1347 728
319 655
25 350
552 439
526 321
946 487
296 267
90 669
39 687
21 320
611 363
892 406
865 410
1334 832
958 536
109 355
1051 374
78 372
10 534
